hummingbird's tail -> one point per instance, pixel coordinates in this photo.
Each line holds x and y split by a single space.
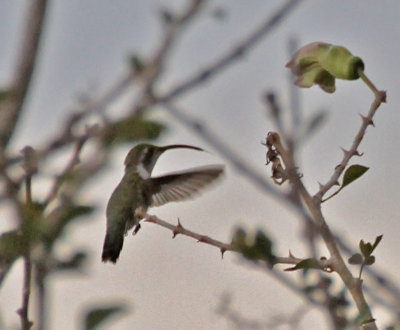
112 246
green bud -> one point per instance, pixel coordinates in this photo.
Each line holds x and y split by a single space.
339 62
320 63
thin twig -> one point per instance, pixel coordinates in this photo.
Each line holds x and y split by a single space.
153 68
24 310
71 164
41 275
236 53
353 151
223 247
30 169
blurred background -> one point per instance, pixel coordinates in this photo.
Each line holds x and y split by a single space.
179 283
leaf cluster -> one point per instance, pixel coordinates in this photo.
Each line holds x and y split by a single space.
254 246
365 258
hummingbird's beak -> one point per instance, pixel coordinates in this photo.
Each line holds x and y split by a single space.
183 146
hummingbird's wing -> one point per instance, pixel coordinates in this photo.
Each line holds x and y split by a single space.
182 185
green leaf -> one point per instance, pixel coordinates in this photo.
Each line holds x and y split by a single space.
365 248
32 226
74 263
263 248
352 174
239 238
309 263
370 260
377 241
12 246
262 241
256 247
131 130
97 316
356 259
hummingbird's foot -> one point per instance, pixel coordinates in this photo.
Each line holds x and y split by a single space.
136 229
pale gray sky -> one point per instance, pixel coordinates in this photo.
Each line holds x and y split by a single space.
177 284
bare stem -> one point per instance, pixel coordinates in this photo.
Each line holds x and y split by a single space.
369 84
24 310
71 164
41 274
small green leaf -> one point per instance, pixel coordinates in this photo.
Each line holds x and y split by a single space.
74 263
365 248
97 316
256 247
370 260
239 237
263 248
309 263
262 241
12 246
353 173
356 259
377 241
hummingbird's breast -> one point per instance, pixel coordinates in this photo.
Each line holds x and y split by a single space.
128 196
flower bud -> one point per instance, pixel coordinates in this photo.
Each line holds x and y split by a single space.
320 63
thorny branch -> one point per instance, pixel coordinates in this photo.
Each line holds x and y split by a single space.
353 151
224 247
354 285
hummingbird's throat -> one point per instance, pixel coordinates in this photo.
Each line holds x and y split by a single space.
143 172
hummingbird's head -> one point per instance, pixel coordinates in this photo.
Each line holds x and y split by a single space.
144 156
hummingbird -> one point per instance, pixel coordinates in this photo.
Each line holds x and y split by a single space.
138 191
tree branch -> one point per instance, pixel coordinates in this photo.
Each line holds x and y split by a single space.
236 53
338 264
11 107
